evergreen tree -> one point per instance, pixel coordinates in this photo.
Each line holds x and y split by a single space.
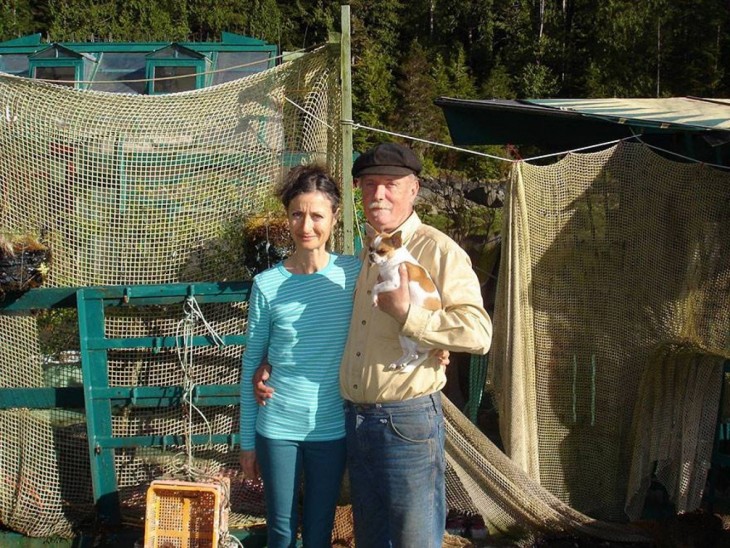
498 85
117 20
372 94
624 54
378 22
17 18
308 22
416 114
462 82
140 20
207 19
691 37
471 25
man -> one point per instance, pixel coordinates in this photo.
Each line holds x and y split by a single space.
393 420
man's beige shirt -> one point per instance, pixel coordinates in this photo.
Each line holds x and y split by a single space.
462 325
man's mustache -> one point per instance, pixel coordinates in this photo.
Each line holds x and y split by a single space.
379 205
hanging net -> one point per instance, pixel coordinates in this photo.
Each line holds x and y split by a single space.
613 322
132 189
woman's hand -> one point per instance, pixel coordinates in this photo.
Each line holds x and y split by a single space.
261 391
249 465
442 356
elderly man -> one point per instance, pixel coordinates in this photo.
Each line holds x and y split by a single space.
393 419
394 422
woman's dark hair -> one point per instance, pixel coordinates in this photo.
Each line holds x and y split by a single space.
309 178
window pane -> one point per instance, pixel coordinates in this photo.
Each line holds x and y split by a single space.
184 79
239 64
65 76
14 64
118 69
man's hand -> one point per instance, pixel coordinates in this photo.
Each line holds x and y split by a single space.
397 302
261 391
249 465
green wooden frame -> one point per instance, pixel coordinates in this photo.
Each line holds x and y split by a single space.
96 396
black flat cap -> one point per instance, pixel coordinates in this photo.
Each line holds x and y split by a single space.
387 159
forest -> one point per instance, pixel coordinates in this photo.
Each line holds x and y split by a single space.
408 52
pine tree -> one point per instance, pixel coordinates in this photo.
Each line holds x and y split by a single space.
372 94
17 18
416 114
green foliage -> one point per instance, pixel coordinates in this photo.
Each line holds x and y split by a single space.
17 18
504 48
416 89
119 20
483 168
372 93
499 84
208 18
537 81
378 22
306 23
58 330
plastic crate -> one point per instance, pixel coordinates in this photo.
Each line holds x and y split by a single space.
185 514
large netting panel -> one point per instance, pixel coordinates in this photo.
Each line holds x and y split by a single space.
131 189
511 502
614 306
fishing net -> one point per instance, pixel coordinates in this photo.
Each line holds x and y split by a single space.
613 323
133 189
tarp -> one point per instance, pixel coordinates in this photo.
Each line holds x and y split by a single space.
696 127
685 113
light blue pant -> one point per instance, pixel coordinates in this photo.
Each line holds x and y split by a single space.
282 464
395 458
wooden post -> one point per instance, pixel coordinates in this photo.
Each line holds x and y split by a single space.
348 217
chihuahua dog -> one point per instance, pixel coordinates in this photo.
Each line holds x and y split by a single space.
388 253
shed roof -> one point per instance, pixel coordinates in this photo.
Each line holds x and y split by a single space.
685 113
699 127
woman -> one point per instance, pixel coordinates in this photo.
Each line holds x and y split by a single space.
298 318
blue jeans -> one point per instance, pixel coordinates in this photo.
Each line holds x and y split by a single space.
395 458
282 463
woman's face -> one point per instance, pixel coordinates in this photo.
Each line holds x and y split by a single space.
311 220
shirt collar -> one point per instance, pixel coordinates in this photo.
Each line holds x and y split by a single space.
409 226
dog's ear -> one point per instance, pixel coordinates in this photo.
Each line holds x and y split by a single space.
370 232
396 240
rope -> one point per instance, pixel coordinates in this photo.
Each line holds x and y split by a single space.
637 136
484 154
434 143
193 315
185 332
304 110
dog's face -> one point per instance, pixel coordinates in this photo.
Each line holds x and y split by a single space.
382 246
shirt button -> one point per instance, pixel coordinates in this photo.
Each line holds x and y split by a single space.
370 292
354 386
364 322
357 354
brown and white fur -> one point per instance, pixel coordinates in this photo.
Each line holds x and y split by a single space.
388 253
